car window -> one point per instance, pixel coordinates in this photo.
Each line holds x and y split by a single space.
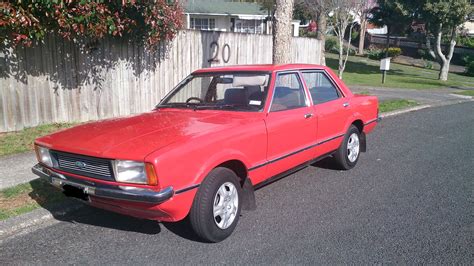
321 88
288 93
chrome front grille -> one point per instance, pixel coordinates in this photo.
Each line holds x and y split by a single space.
84 165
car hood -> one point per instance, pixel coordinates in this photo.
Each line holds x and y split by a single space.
132 138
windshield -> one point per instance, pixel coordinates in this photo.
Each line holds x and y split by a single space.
230 91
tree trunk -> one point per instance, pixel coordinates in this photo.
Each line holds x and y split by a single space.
321 35
445 61
341 51
363 29
341 69
443 72
282 31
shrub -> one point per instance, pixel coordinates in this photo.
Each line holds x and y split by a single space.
355 35
378 54
375 54
422 53
335 50
427 64
394 51
466 41
331 43
470 69
25 22
467 59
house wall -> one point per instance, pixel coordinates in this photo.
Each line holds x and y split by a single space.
469 26
222 22
59 82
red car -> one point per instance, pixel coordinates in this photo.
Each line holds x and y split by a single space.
205 147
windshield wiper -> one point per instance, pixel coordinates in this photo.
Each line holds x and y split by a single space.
217 106
175 105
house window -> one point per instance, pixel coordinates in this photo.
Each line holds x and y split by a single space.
203 23
248 26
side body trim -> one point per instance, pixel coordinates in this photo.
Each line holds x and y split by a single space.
295 152
186 189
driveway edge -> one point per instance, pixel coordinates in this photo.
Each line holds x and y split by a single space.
19 223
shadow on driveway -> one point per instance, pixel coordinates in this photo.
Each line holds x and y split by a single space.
89 215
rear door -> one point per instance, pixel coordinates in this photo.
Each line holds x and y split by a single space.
291 125
331 109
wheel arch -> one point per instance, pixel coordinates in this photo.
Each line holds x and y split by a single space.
241 170
360 126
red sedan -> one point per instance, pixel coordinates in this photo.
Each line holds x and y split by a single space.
205 147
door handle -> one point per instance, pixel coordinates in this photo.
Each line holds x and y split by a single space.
306 116
345 104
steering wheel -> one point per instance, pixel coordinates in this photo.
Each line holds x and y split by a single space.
195 99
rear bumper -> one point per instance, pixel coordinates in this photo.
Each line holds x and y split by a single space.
104 191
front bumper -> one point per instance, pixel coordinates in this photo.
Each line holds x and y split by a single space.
104 191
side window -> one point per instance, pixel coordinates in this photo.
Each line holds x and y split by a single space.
320 87
288 93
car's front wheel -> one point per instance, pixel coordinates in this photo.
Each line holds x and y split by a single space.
217 205
348 153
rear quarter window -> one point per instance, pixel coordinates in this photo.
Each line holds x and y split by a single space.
321 88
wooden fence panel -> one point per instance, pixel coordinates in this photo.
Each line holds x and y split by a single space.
61 82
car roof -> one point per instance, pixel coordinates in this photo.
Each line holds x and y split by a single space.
259 68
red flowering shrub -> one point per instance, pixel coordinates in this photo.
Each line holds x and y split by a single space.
22 22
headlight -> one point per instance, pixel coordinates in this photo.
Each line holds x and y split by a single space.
43 156
130 172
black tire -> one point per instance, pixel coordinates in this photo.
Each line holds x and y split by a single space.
202 217
341 156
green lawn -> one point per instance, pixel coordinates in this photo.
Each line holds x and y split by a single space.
365 71
27 197
392 105
22 141
466 93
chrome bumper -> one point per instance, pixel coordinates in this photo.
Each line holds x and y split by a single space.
104 191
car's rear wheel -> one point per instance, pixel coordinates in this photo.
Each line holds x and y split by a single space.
348 153
217 205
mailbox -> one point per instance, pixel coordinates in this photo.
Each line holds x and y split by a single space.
385 64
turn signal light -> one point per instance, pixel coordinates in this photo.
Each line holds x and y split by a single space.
151 174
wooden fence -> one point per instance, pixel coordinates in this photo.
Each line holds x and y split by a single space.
60 82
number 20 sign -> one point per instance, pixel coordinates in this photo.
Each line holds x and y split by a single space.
214 51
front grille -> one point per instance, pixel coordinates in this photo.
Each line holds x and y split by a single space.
84 165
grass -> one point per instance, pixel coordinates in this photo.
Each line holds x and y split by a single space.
363 93
392 105
27 197
22 141
466 93
365 72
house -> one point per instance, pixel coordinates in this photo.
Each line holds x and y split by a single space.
244 17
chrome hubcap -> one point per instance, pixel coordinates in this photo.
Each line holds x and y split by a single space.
226 204
353 147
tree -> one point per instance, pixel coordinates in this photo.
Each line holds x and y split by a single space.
393 14
319 10
341 19
443 18
362 10
282 31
